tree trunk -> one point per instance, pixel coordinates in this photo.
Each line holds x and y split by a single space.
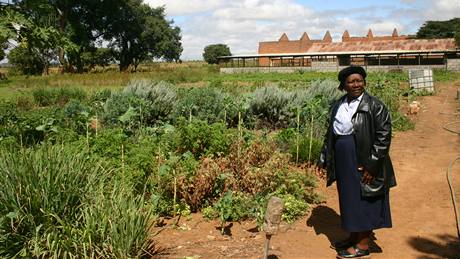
62 25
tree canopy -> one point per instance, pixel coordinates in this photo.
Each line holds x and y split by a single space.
440 29
213 51
71 32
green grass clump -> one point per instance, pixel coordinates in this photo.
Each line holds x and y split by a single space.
56 202
52 96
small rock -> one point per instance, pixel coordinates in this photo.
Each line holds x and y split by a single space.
210 237
414 107
179 247
224 248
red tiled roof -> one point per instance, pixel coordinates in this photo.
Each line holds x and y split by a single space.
387 45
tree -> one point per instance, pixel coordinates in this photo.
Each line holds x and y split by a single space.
97 57
213 51
139 32
25 61
457 38
439 29
31 26
66 29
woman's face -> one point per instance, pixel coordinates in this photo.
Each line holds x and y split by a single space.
354 85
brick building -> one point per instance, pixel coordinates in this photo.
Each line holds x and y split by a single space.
375 52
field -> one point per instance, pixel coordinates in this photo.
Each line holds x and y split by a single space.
93 164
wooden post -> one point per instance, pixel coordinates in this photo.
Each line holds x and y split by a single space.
272 220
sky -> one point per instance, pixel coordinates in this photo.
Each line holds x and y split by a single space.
242 24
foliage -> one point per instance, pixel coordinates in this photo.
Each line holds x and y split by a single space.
141 103
457 38
293 208
57 202
31 127
439 29
52 96
213 51
138 32
159 99
203 139
231 207
197 186
288 140
123 108
77 116
70 30
36 33
270 106
209 212
97 57
207 104
24 61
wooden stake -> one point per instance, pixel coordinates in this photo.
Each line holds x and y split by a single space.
267 245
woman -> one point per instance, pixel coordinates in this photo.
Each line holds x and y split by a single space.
356 155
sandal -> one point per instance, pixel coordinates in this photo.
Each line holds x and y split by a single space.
359 253
340 245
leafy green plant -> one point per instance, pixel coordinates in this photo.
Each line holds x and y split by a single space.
77 116
231 207
51 96
209 212
207 104
293 208
201 138
120 104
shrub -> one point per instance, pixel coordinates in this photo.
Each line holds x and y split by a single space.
25 61
198 188
208 104
120 104
51 96
293 208
159 99
140 103
77 115
201 138
232 207
270 106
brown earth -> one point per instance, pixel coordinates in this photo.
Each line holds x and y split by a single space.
424 224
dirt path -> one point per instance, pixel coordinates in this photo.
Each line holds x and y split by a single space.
423 217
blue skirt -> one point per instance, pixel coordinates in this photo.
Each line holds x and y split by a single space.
357 213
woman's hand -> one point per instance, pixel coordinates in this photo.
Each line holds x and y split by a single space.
366 176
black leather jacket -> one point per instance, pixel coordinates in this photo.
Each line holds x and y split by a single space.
372 133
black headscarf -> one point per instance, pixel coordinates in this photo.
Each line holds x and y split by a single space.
353 69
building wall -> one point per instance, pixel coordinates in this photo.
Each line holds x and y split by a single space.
453 64
334 67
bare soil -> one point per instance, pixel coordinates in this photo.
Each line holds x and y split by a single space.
424 224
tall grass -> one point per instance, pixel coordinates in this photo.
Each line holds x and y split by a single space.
56 202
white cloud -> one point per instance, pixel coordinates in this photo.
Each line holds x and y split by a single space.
385 28
443 9
185 7
272 10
